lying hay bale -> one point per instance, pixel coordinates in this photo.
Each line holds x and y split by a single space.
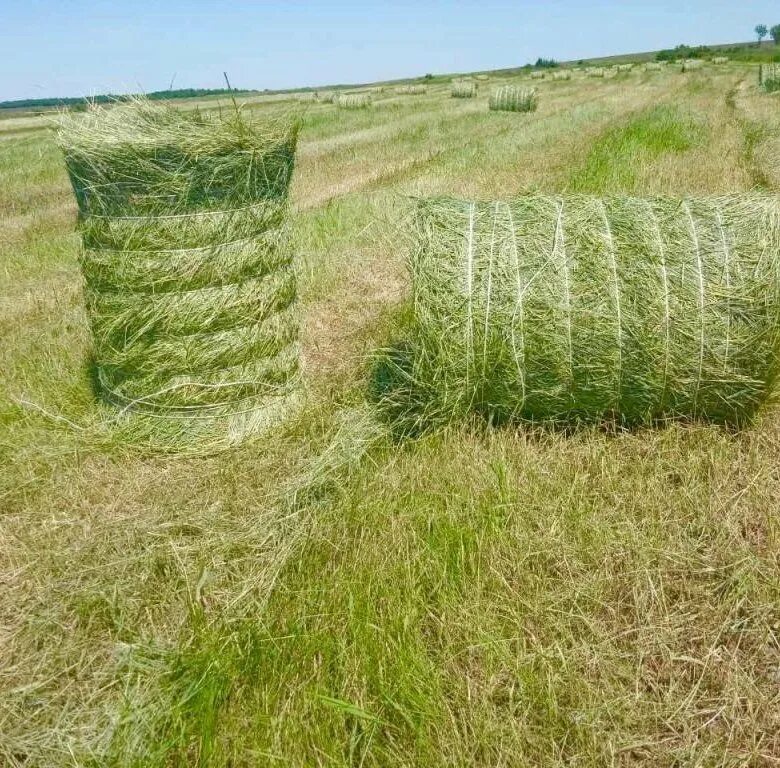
483 77
189 287
353 101
511 98
653 66
583 309
411 90
720 59
769 77
463 89
537 75
691 64
595 72
624 67
562 75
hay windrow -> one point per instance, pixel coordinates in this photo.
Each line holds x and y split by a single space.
581 309
189 283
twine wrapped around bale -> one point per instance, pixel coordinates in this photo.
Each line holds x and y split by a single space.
511 98
189 286
581 309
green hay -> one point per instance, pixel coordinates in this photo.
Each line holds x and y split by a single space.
584 309
189 284
463 89
510 98
353 101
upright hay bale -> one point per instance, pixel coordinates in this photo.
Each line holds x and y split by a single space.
583 309
511 98
189 287
463 89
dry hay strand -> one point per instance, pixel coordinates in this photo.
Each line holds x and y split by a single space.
511 98
582 309
189 284
354 101
411 90
720 59
464 89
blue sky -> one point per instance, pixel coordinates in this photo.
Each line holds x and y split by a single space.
80 47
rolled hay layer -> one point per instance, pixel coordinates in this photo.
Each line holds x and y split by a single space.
511 98
354 100
584 309
189 284
463 89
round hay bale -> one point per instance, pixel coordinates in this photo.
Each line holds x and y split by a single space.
464 89
582 309
189 285
511 98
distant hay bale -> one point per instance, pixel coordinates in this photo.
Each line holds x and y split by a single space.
653 66
562 75
411 90
769 77
483 77
189 287
328 98
691 64
624 67
512 98
354 101
377 89
577 309
720 59
463 89
595 72
537 74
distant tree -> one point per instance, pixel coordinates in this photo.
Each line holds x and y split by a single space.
429 76
761 32
546 63
775 33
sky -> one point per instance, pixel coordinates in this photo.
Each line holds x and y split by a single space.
85 47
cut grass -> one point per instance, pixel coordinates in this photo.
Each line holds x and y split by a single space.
615 158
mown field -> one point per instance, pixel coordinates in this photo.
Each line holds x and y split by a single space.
336 595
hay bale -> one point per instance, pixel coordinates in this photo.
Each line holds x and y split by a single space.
537 74
769 77
720 59
512 98
463 89
354 101
653 66
691 64
328 97
411 90
189 286
586 309
562 75
595 72
483 77
624 67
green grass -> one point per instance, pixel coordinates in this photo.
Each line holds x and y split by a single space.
613 161
335 596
